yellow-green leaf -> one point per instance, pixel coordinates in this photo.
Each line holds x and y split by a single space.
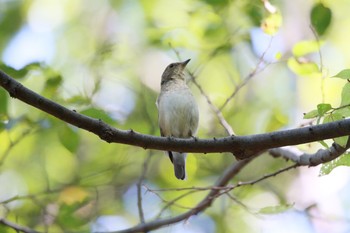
272 23
344 74
304 69
311 114
275 209
305 47
345 95
323 108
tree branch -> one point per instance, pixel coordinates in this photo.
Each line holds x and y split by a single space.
240 146
205 203
314 159
16 227
217 111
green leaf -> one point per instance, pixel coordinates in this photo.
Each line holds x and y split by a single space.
344 74
255 13
67 216
324 144
323 108
68 138
272 23
333 117
78 100
344 111
3 102
21 73
305 47
275 209
98 114
311 114
304 69
345 95
54 81
17 74
321 17
342 141
343 160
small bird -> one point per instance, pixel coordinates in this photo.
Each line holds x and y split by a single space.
177 112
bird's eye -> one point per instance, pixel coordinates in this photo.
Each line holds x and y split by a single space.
171 65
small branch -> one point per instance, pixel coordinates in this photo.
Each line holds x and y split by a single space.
139 188
256 70
17 227
317 38
266 176
304 159
321 62
173 202
217 111
246 208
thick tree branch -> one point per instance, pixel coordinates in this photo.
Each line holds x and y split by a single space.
241 146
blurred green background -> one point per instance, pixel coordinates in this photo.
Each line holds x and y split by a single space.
105 59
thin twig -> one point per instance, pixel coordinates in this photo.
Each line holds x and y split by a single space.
255 71
215 109
245 207
321 61
139 187
172 202
267 176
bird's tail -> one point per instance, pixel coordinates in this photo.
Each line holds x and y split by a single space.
179 161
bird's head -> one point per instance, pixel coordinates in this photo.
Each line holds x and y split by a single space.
174 71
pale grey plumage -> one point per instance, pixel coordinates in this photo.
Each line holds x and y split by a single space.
177 111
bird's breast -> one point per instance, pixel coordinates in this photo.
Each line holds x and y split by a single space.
178 113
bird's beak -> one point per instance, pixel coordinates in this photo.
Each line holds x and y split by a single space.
183 64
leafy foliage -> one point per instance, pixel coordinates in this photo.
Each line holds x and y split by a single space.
106 63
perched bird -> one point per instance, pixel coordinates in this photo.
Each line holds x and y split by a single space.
177 111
